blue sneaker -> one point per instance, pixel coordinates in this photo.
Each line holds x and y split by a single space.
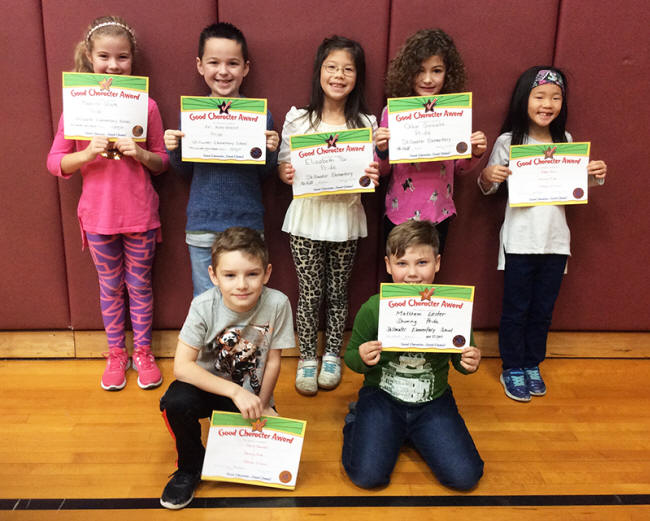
534 382
514 384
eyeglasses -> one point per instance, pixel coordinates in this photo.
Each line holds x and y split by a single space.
333 69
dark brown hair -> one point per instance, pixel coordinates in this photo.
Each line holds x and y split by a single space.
417 48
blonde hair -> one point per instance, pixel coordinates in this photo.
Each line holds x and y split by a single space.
102 26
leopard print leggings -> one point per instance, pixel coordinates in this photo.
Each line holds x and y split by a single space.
322 265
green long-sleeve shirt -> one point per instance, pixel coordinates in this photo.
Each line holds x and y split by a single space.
407 376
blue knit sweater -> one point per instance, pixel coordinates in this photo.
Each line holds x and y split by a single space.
224 195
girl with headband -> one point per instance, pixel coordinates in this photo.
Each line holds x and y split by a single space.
534 240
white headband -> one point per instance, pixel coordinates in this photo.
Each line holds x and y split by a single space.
106 24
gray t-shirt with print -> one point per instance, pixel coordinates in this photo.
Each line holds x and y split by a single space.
235 345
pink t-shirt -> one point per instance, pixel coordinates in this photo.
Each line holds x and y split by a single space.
422 191
117 195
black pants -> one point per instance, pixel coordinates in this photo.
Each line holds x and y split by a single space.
183 405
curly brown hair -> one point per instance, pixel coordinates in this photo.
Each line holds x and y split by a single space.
417 48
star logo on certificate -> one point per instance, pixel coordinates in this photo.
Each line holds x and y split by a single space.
427 294
428 106
548 153
258 424
223 108
105 84
331 141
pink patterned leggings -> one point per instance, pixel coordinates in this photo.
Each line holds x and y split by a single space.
119 259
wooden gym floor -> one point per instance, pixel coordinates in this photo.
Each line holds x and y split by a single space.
69 450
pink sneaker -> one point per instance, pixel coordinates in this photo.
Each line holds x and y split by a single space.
117 362
145 364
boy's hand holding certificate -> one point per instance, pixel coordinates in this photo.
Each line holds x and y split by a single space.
223 130
425 317
265 452
545 174
115 106
433 128
332 163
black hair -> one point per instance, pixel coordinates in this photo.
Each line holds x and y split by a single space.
223 30
355 104
517 120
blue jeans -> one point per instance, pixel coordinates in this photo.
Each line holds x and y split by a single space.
376 430
200 258
531 285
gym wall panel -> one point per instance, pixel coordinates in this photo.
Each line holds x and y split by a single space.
605 50
33 288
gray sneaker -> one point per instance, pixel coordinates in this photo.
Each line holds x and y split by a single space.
330 372
306 377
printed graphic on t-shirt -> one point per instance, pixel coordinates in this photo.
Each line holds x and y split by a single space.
240 354
410 380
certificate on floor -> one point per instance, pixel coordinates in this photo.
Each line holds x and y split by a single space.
263 452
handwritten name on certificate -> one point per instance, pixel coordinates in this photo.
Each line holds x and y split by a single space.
432 128
105 105
223 130
425 317
262 452
331 163
545 174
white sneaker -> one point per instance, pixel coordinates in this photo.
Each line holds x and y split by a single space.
330 372
306 377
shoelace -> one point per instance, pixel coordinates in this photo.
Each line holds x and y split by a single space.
330 367
309 372
143 358
533 374
115 360
518 379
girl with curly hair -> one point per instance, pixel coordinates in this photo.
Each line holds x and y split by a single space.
427 64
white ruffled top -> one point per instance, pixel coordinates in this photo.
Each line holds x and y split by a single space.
335 218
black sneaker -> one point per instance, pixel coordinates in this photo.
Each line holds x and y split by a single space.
179 491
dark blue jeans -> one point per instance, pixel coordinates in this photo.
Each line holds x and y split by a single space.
530 288
379 426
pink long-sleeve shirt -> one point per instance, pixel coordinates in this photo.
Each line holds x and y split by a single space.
117 195
422 191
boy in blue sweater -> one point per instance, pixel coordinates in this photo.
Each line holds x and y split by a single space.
221 194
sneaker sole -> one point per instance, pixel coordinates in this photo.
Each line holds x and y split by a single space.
328 387
306 393
173 506
537 393
116 387
149 386
512 396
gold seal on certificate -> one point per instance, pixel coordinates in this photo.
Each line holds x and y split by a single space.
548 174
114 106
262 452
430 128
331 163
223 130
425 317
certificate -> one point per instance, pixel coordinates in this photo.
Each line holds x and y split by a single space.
114 106
331 163
263 452
425 317
546 174
223 130
430 128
